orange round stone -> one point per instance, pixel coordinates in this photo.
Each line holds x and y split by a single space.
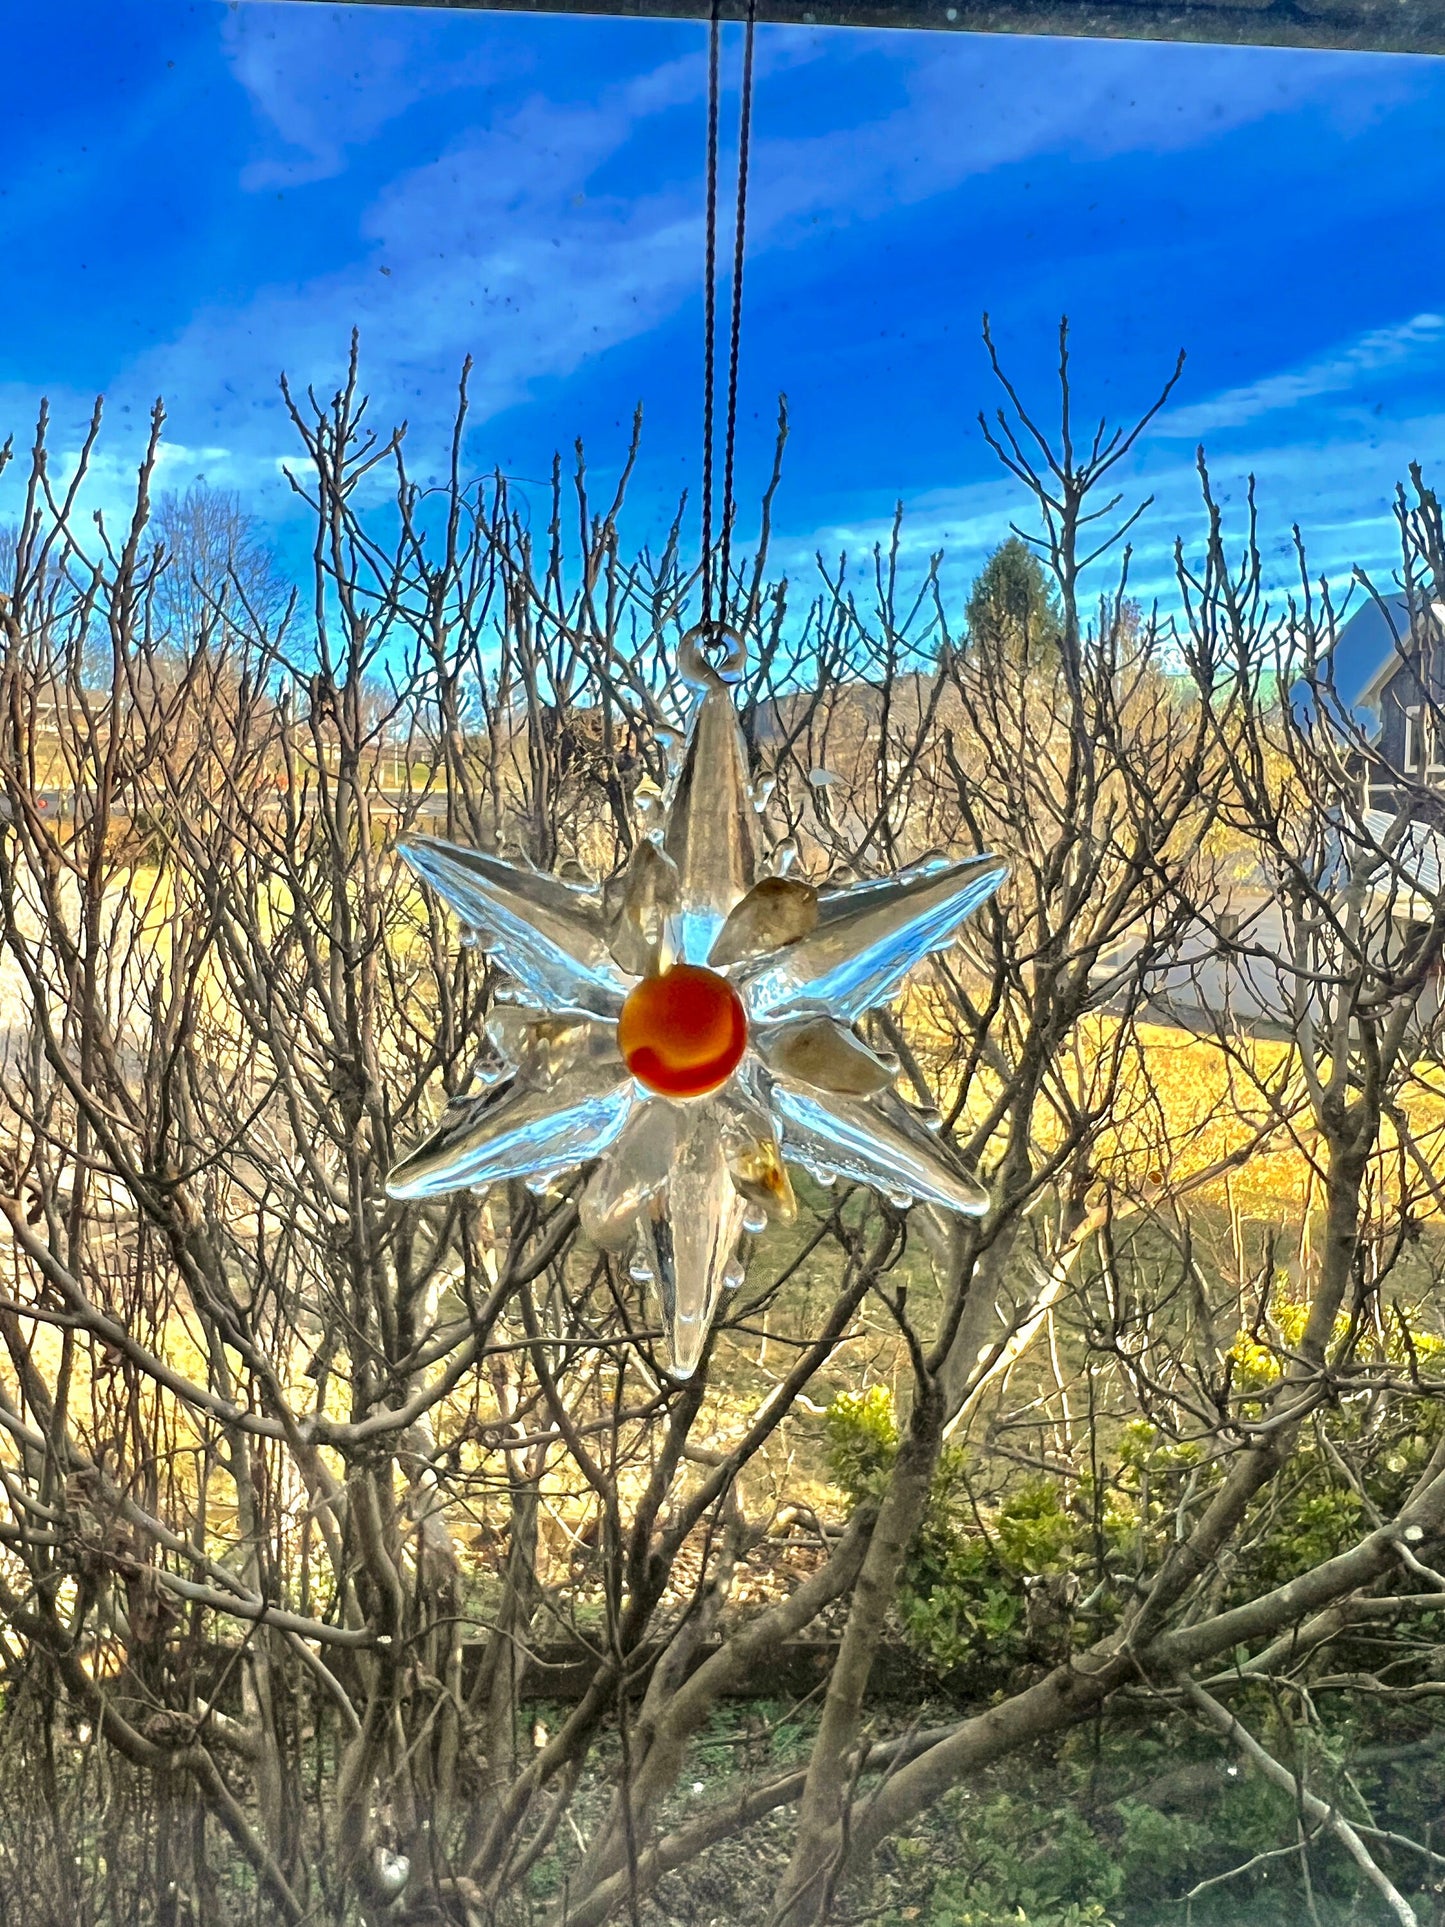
683 1033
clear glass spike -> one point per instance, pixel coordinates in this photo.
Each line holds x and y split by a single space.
867 940
876 1141
519 1131
694 1238
633 1175
711 827
545 934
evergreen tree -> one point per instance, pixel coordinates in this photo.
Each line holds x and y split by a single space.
1013 607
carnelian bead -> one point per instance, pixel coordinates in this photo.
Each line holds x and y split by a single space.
683 1033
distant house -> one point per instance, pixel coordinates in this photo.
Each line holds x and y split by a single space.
1230 969
1389 674
1389 669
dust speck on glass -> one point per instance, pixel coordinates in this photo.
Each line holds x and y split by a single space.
689 1030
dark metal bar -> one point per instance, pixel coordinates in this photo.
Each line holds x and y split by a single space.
1379 26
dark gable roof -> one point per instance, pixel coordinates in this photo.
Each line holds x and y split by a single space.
1367 649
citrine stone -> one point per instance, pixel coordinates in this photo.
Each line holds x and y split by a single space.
683 1033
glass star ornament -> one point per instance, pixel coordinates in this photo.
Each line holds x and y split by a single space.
690 1029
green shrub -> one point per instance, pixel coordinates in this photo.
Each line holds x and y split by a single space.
1026 1868
991 1586
962 1602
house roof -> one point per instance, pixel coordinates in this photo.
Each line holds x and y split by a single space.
1367 649
1412 881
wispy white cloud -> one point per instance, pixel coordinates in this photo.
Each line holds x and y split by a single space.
327 80
528 242
113 466
1413 346
963 522
1338 489
970 106
517 244
487 251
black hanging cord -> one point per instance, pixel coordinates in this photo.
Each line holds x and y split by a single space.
745 116
710 311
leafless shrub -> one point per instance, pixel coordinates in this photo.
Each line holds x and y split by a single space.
301 1484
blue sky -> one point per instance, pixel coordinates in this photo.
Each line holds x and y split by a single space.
194 197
